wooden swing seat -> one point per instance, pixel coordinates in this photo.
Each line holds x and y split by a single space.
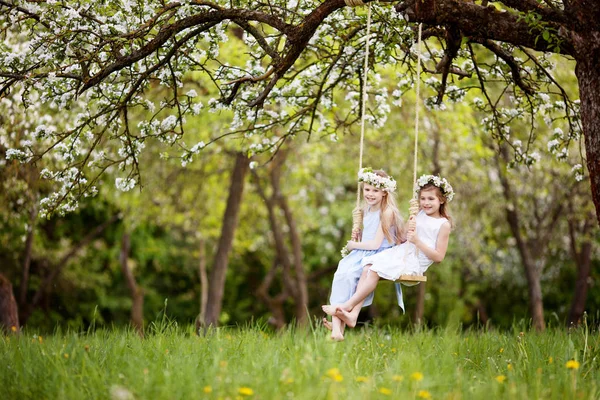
411 278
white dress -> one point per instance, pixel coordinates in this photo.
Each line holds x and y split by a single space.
406 259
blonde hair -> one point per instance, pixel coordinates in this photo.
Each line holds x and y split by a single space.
392 223
443 200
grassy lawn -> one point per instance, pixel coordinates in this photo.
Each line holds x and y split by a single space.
251 362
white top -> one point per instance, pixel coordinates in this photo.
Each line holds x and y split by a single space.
428 229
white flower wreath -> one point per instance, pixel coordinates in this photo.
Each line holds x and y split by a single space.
367 175
441 183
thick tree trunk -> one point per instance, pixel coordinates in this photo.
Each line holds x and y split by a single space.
9 313
588 76
27 258
230 221
137 294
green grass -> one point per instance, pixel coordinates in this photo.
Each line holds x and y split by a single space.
253 362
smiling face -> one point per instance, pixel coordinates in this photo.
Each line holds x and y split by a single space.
430 201
373 196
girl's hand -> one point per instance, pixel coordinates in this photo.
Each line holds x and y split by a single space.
412 223
351 245
412 237
356 235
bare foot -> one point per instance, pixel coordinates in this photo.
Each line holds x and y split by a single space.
347 317
330 309
337 337
327 324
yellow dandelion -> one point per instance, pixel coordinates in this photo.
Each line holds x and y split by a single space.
207 389
572 364
361 379
288 381
40 339
13 328
550 360
398 378
500 378
509 367
385 391
501 350
416 376
424 394
65 355
246 391
334 374
394 350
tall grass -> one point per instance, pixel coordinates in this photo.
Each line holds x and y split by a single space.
253 362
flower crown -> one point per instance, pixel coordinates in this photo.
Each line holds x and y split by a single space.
367 175
441 183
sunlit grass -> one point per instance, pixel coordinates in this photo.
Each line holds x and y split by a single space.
252 362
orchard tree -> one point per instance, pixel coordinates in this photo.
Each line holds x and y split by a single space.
97 61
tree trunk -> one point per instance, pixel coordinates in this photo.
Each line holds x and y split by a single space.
230 221
203 285
27 259
137 294
420 306
588 76
301 291
534 287
9 312
583 259
532 273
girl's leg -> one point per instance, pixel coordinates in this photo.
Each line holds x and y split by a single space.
350 317
362 291
337 329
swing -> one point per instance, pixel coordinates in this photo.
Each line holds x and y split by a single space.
414 202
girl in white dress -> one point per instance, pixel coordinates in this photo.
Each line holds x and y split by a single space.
427 242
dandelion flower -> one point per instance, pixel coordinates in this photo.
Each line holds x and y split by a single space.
572 364
509 367
362 379
334 374
207 389
500 378
550 360
65 355
501 350
416 376
424 394
246 391
13 328
385 391
398 378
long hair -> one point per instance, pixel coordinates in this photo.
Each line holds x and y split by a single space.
392 223
444 202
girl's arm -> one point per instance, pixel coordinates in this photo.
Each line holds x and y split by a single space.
372 244
437 254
